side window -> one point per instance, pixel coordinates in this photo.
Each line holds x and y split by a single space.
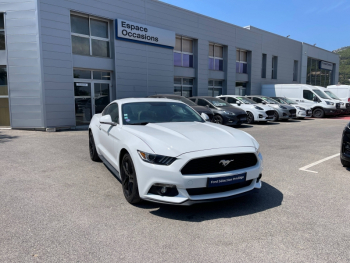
202 102
222 98
308 95
194 100
231 100
112 110
258 100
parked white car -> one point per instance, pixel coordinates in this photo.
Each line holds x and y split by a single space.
164 151
303 111
255 112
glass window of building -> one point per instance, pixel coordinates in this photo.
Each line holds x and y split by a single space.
90 36
214 87
216 57
241 61
317 76
4 98
263 66
295 70
2 32
183 86
274 67
183 52
241 88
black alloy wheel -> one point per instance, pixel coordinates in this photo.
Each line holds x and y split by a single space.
218 119
345 163
250 117
129 180
92 149
318 113
275 116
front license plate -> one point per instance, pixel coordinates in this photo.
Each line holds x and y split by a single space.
243 119
227 180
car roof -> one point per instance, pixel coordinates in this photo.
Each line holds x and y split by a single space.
203 97
167 95
130 100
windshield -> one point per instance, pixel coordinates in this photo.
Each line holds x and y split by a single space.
184 100
320 94
142 113
331 94
246 100
269 100
289 101
218 103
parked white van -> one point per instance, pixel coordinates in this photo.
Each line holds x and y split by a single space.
307 95
342 91
344 106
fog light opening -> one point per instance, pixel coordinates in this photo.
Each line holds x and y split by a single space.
259 178
261 116
164 190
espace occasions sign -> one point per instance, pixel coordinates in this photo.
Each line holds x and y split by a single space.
131 31
326 65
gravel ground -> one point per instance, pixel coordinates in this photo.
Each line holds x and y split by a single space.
58 206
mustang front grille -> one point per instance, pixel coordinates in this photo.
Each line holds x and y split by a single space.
220 163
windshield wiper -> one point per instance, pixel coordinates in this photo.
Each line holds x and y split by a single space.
140 123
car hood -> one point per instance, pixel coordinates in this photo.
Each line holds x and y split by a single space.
235 110
201 109
174 139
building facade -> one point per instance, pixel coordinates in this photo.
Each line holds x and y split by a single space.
63 61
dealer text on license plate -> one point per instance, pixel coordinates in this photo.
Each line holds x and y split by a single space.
226 180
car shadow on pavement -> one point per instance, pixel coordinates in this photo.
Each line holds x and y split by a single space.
243 126
267 198
6 138
266 123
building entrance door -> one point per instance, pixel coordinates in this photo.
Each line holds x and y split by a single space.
90 98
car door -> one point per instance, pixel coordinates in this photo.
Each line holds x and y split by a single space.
309 98
109 134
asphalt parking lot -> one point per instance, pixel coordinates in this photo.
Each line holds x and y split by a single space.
58 206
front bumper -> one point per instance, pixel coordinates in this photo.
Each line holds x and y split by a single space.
148 175
303 113
284 114
262 116
235 119
331 112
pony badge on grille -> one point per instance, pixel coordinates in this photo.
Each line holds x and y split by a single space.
225 162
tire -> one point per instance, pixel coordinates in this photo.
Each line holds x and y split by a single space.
318 113
275 116
218 119
345 163
250 117
92 149
129 180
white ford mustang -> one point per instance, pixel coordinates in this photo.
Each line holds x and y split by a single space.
164 151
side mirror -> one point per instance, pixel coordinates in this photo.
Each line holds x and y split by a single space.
238 103
207 105
205 117
107 119
315 99
263 102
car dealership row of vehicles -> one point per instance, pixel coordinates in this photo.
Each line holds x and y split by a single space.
171 149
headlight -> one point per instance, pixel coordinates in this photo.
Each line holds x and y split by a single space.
282 107
156 159
229 113
258 108
299 108
329 103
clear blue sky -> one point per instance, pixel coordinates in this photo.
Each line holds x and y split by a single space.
324 22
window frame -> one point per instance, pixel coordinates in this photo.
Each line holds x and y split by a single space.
107 107
239 61
215 57
263 66
90 37
3 30
183 52
295 70
183 85
212 87
274 67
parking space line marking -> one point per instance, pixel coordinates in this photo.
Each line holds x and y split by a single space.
318 162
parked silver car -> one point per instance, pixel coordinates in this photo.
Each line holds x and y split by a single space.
282 112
